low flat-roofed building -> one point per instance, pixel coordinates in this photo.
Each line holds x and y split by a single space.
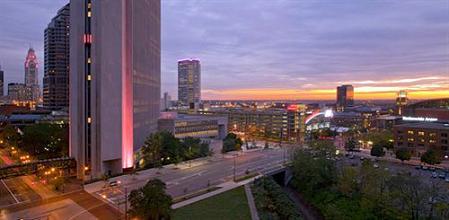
421 136
199 126
387 122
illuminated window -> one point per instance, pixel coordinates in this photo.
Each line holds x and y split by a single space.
410 132
411 139
89 5
432 134
421 133
89 77
89 14
432 141
89 60
89 120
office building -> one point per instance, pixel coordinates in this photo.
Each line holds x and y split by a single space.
401 102
31 75
114 82
166 102
56 61
189 83
345 97
270 124
2 82
21 95
197 126
420 136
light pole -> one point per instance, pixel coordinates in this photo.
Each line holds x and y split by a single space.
235 165
126 203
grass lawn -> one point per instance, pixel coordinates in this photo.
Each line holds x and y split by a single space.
228 205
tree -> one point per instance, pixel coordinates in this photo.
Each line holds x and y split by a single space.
347 181
403 154
432 157
351 145
151 201
231 143
45 140
10 136
151 151
377 151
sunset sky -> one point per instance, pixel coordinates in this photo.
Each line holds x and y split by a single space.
277 49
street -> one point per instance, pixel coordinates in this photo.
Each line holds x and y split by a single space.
187 178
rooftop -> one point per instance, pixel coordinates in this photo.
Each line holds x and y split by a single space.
430 125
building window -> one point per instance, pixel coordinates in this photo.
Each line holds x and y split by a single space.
421 133
432 141
410 132
432 134
443 134
411 139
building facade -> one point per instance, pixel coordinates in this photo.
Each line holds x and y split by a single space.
401 102
421 136
270 124
198 126
114 81
345 97
189 83
2 82
31 75
56 61
20 94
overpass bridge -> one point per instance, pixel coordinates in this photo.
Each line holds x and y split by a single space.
66 163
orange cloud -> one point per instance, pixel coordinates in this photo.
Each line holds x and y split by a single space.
365 93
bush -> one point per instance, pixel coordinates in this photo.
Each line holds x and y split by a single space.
271 201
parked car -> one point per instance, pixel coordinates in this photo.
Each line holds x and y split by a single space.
434 174
432 169
446 179
376 165
418 167
442 175
424 167
114 183
362 158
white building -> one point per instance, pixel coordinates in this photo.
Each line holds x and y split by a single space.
114 81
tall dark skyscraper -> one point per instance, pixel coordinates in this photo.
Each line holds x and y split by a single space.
345 96
189 83
115 79
56 61
2 82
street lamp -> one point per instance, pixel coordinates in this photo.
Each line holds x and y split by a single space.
235 163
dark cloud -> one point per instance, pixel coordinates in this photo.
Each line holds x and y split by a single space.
273 43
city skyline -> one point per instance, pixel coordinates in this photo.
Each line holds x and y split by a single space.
296 50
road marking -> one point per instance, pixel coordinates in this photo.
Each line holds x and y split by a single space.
12 194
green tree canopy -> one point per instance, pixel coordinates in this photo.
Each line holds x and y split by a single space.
432 157
231 143
46 140
377 151
403 154
151 201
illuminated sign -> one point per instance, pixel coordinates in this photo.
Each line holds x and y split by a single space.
406 118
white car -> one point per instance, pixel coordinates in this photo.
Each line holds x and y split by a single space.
376 165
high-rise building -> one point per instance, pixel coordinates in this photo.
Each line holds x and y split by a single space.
2 75
401 102
345 96
56 64
166 102
114 81
31 75
19 94
189 83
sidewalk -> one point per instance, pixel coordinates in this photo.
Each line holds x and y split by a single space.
223 188
251 204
